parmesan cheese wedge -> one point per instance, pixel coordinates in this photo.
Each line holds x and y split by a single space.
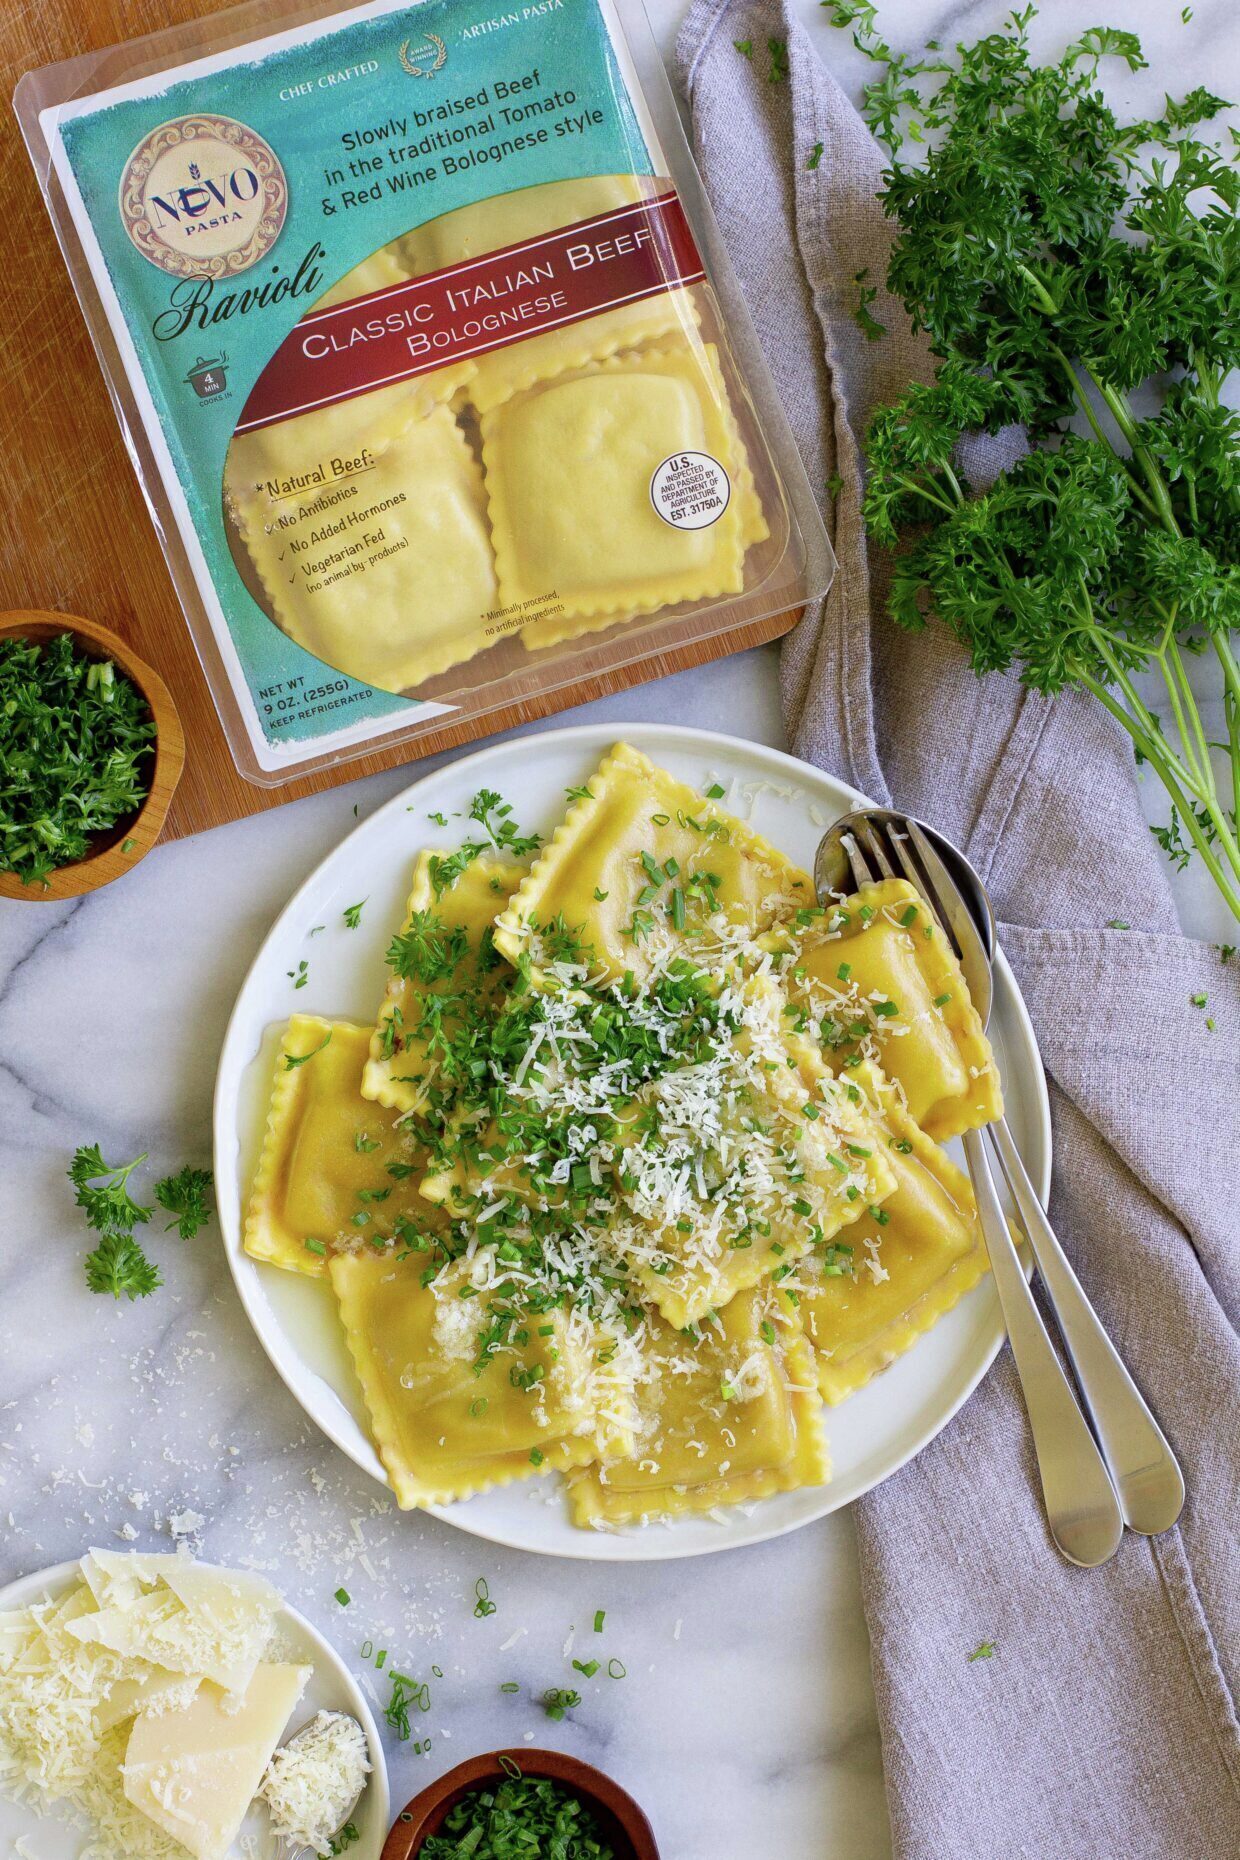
195 1771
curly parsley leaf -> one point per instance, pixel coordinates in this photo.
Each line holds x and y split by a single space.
118 1265
102 1191
186 1197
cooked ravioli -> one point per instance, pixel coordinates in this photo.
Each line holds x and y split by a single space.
391 587
443 950
592 874
728 1413
445 1428
734 1168
642 1175
570 462
882 981
867 1299
324 1177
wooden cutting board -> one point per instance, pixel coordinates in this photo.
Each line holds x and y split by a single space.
75 534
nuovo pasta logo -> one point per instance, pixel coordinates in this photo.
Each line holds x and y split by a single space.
203 196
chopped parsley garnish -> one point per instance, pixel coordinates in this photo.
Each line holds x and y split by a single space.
300 975
186 1197
293 1060
75 754
352 914
982 1651
815 156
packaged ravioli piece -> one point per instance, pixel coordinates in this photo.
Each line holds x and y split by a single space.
445 403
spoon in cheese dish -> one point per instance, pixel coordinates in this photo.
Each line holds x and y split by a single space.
313 1783
1143 1473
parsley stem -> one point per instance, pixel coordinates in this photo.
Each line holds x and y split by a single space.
1153 749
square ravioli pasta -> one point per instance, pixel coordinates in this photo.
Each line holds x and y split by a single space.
445 1426
515 218
867 1299
569 465
335 1170
397 588
634 828
880 981
733 1168
442 955
727 1413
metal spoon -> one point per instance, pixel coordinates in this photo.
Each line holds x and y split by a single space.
289 1849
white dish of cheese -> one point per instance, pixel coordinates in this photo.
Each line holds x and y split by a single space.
180 1745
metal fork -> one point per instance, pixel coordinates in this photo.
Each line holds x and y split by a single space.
1087 1501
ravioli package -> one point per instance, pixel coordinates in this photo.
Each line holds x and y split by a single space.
441 393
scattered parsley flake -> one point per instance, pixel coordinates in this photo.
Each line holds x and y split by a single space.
293 1060
983 1651
352 914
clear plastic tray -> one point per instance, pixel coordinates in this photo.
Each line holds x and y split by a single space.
428 356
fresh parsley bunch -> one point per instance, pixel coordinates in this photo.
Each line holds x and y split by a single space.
1059 260
75 741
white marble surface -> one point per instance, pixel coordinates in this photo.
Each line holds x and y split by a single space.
746 1720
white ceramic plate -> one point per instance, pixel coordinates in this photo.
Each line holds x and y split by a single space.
873 1433
331 1687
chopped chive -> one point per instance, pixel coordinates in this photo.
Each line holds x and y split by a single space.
510 1685
616 1669
536 1456
315 1246
600 1615
942 1000
844 971
715 791
588 1667
909 916
484 1606
343 1597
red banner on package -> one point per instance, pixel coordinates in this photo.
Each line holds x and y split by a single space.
485 303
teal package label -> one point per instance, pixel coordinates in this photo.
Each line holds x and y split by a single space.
218 202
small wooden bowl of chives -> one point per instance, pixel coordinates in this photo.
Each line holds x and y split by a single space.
622 1823
120 848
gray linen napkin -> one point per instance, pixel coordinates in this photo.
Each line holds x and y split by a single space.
1104 1726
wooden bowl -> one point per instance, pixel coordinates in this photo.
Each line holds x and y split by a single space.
623 1822
108 859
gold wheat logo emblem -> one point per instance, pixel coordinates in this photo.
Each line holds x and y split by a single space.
430 56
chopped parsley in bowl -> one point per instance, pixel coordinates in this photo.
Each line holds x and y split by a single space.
77 740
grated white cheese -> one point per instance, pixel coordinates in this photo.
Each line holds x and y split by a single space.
313 1781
